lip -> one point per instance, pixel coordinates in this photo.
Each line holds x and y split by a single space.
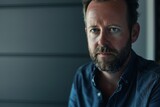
105 53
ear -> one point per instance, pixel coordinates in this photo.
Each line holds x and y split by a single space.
135 32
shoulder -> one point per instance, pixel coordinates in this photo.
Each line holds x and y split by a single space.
83 75
148 68
85 70
148 80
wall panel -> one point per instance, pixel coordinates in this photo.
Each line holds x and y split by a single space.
17 2
44 30
37 80
42 43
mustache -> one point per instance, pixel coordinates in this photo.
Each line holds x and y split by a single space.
105 48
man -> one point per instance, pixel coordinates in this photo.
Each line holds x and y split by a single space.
117 76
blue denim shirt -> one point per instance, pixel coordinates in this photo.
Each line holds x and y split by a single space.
139 86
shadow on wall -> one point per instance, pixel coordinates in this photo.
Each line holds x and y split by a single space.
42 44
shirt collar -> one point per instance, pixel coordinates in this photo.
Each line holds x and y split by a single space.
94 73
129 72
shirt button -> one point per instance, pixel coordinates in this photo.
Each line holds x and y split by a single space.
93 82
98 94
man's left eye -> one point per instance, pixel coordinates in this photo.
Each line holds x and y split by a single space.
114 30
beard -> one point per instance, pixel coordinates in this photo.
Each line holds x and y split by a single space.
115 59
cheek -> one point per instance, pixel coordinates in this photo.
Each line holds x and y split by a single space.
91 45
120 44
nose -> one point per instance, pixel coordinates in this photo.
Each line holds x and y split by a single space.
103 39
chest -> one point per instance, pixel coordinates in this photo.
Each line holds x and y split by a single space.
106 89
123 97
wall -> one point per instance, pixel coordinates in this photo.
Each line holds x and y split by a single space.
42 43
145 45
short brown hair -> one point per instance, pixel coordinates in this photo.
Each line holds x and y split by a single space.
132 6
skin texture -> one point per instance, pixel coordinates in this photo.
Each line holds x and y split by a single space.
109 38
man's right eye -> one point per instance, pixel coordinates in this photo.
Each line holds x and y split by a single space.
94 30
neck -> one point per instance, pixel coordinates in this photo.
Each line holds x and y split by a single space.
114 77
107 82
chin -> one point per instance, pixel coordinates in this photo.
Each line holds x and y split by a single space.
107 67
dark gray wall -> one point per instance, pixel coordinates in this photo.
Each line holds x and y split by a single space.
42 42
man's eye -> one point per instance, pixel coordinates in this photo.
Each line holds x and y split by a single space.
114 30
94 30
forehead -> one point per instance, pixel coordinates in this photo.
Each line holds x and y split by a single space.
120 3
112 8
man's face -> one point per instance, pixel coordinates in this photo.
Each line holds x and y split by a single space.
109 39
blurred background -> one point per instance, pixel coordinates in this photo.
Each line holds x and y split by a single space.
42 43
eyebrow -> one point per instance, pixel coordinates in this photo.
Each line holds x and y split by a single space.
114 25
92 26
